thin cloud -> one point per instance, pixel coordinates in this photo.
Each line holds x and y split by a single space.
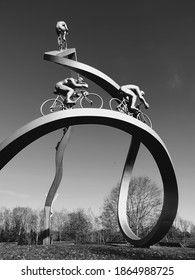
11 193
175 81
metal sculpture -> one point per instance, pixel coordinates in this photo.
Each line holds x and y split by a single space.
140 132
62 31
131 92
121 106
170 204
65 58
105 82
67 88
56 182
84 98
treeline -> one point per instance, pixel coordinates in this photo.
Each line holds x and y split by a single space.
182 231
25 226
144 203
21 225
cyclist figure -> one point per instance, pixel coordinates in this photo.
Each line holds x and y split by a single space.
62 30
131 92
67 88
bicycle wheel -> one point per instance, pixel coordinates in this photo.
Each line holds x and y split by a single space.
51 106
114 105
144 118
92 100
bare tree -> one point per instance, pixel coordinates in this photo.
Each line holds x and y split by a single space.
5 224
78 226
184 226
21 217
144 205
34 222
176 221
109 210
59 220
192 229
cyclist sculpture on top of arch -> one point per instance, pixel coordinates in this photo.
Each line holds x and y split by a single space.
131 92
67 88
70 90
62 31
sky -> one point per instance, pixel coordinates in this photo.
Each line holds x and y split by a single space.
148 43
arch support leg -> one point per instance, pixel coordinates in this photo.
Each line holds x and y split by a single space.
46 232
124 188
60 148
170 196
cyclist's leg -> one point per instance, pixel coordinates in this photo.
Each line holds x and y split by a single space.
132 102
133 110
69 95
64 45
59 42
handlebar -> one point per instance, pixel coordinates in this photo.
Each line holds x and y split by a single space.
138 105
82 91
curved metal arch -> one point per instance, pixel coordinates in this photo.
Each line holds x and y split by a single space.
89 72
140 133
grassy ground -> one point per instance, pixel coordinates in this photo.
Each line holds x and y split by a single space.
92 252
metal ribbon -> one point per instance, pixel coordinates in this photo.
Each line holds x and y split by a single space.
140 132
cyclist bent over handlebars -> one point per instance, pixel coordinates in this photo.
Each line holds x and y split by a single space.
131 93
67 88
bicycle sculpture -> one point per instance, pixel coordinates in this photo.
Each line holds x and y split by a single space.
122 106
91 100
59 114
85 99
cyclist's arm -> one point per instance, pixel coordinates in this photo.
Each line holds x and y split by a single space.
79 85
84 85
140 94
142 99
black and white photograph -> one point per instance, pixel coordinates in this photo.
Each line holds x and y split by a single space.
97 131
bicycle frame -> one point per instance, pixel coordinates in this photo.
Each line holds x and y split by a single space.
123 106
79 92
59 102
60 98
138 114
